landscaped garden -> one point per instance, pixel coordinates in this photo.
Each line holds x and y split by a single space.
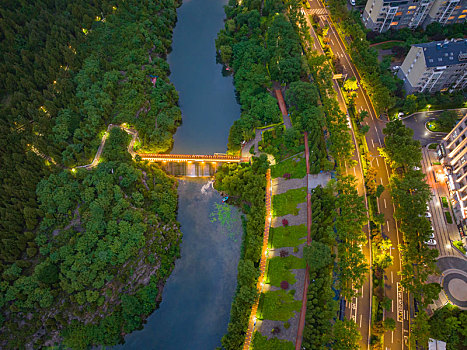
287 236
286 203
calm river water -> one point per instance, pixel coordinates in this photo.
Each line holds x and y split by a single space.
195 308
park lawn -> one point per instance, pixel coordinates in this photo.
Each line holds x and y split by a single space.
261 342
278 306
296 169
286 203
287 236
279 269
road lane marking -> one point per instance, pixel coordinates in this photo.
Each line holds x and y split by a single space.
362 292
354 172
392 304
376 129
372 143
377 162
384 200
387 224
392 337
361 320
392 277
381 179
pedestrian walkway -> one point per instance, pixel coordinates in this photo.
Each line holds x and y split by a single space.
285 114
262 264
444 232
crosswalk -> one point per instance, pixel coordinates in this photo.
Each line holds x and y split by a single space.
319 12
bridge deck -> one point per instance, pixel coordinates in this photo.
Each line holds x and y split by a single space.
155 157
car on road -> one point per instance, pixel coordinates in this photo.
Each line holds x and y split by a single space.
431 241
352 2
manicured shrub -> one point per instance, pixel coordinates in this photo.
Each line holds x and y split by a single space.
285 222
286 176
284 285
283 253
276 330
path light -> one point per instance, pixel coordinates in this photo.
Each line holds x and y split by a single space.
73 170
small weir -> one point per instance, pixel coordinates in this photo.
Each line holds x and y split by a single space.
190 169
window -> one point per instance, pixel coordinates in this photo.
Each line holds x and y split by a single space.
399 14
394 23
462 16
452 17
431 60
464 11
462 160
409 12
412 7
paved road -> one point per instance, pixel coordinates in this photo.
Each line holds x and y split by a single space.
375 138
356 308
417 121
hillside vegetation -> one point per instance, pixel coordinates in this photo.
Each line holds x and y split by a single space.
83 254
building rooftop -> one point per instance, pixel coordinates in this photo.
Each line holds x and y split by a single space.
444 53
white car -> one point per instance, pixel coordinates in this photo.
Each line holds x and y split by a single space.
431 241
352 2
428 214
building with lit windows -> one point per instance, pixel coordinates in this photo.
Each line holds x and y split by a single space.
382 15
452 153
435 66
447 12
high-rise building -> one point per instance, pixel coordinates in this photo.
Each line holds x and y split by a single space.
435 66
452 153
447 12
382 15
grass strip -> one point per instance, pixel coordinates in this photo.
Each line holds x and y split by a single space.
261 342
279 269
288 236
278 306
295 166
286 203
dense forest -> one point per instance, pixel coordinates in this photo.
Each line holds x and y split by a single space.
83 254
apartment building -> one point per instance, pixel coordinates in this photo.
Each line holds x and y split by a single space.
447 12
382 15
435 66
452 153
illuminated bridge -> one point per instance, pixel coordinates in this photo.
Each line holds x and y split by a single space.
216 158
193 165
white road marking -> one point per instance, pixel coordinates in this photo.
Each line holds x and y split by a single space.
375 128
392 337
392 277
361 321
372 143
384 200
354 172
381 179
377 162
387 224
392 304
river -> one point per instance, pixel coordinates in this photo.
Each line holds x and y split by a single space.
195 306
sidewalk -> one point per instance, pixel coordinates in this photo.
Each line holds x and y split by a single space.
444 232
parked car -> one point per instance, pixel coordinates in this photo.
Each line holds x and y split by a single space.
431 241
352 2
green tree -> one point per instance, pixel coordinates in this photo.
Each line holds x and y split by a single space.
345 335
